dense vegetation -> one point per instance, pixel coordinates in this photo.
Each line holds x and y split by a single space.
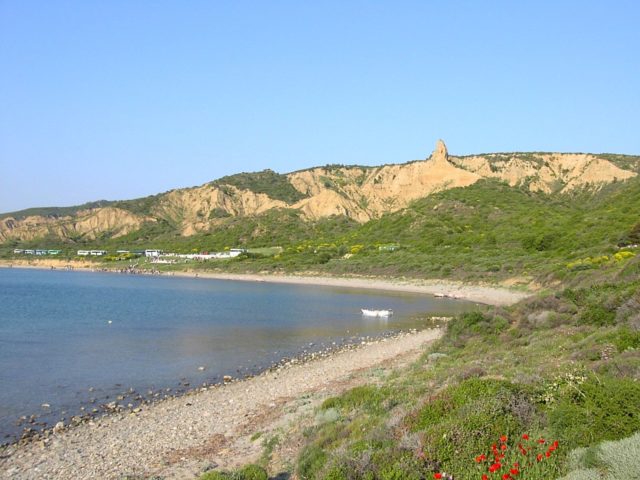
273 184
562 367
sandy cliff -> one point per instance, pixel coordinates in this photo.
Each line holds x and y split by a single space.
85 225
361 193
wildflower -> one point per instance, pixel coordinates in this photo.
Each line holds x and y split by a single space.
541 441
481 458
485 476
514 471
437 475
547 454
503 438
503 447
525 436
506 476
494 467
539 457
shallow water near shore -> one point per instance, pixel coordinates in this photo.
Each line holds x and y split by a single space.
75 340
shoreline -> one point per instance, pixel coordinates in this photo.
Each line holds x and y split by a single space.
33 430
485 294
180 436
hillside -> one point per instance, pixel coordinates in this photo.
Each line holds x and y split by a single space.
359 194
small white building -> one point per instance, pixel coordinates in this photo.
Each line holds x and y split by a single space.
98 253
83 253
152 253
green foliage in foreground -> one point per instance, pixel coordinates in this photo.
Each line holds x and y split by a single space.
538 368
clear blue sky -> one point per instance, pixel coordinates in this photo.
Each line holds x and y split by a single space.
121 99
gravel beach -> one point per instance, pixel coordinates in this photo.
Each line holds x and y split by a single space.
208 428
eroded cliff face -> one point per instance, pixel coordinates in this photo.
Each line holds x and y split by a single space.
85 225
361 193
549 173
198 209
366 193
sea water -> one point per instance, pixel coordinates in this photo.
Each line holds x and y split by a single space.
72 340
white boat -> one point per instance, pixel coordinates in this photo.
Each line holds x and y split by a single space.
376 313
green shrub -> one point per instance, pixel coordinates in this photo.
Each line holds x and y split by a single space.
465 419
597 315
311 460
475 323
626 339
365 397
601 408
248 472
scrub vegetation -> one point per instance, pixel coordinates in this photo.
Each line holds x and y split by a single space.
544 389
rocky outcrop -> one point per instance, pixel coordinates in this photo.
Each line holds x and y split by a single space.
366 193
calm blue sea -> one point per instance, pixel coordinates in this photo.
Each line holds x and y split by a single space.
72 338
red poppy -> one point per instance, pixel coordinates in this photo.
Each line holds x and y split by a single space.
516 464
506 476
541 441
437 475
514 471
503 438
494 467
525 436
485 476
503 447
539 457
481 458
547 454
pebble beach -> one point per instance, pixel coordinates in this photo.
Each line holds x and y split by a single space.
213 427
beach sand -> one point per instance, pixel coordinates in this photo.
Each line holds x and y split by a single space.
489 295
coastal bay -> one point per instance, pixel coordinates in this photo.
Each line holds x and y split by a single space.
338 341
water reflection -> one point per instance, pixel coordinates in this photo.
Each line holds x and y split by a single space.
55 330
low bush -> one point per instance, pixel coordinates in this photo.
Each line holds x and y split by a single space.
475 323
365 397
464 419
600 408
248 472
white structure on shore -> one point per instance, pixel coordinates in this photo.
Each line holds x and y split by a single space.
234 252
